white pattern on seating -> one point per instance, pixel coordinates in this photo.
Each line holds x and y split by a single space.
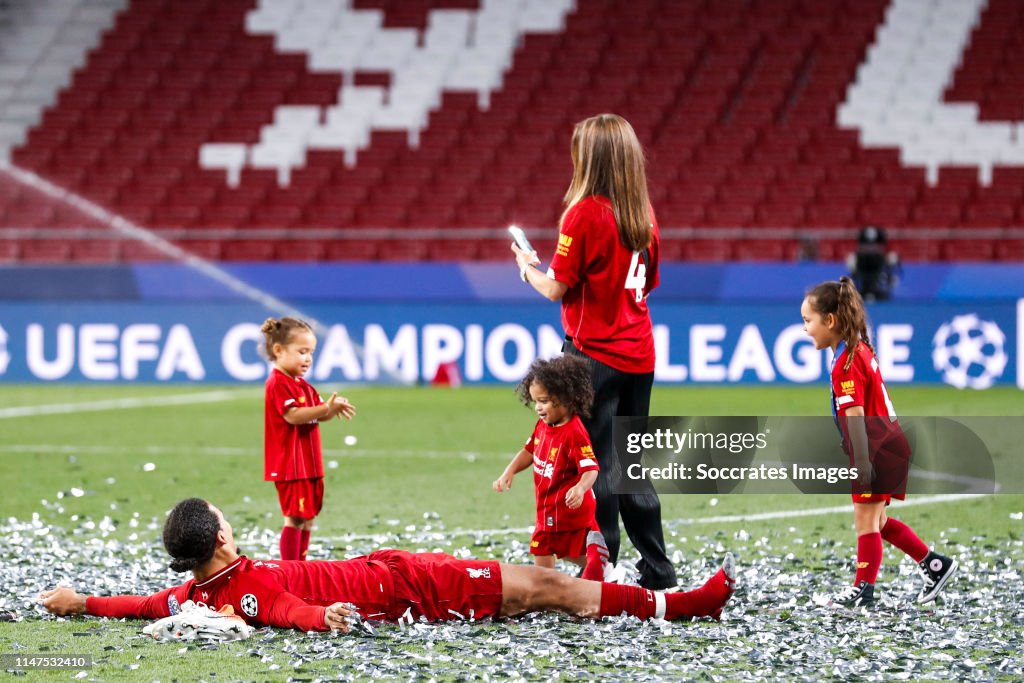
460 50
897 97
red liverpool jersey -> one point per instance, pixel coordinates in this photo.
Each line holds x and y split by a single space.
605 308
384 586
282 593
290 451
862 385
560 455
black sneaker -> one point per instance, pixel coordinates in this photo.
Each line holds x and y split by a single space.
936 570
858 595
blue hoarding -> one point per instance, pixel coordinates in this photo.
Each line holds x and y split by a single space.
968 344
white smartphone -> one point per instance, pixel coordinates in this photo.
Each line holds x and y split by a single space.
519 237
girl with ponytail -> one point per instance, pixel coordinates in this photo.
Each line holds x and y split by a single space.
834 317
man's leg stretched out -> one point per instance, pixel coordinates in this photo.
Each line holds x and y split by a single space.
535 589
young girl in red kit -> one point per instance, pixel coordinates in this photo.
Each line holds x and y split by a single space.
564 467
834 317
292 456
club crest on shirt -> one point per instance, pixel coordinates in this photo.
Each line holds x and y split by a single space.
172 605
482 573
249 604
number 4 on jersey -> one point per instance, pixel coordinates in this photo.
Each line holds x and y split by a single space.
637 276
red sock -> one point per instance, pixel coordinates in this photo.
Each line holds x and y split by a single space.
291 543
869 557
644 604
702 602
597 558
304 544
903 537
616 599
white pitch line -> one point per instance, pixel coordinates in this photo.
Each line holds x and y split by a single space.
720 519
121 403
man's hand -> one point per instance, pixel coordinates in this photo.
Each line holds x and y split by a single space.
63 601
336 617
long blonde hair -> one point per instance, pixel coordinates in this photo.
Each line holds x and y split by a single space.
607 160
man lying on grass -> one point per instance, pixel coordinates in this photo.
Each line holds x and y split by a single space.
386 585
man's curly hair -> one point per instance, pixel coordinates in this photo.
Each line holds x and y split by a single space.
567 380
190 534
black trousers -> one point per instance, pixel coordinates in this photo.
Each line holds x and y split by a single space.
618 393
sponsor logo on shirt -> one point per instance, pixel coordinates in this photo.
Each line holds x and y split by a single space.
586 450
549 471
847 386
249 605
564 242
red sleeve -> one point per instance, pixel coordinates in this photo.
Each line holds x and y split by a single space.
135 606
848 385
582 452
584 456
259 598
281 397
291 611
568 263
531 443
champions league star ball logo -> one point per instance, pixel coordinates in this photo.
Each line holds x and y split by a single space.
969 352
249 605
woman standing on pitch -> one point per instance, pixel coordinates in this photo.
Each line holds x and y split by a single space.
291 430
834 317
605 265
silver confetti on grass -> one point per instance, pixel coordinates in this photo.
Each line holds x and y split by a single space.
773 629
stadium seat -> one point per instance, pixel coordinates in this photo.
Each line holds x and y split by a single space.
968 250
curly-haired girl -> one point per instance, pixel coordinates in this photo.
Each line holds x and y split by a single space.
564 467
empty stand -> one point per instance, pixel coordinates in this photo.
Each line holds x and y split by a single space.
216 116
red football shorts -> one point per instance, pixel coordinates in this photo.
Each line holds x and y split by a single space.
559 543
440 587
891 465
874 497
302 498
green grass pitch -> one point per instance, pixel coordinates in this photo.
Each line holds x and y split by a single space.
109 461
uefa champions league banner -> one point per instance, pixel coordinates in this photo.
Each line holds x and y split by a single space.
969 345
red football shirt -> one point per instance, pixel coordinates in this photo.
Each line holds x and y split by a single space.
862 385
605 308
290 451
383 586
281 593
560 455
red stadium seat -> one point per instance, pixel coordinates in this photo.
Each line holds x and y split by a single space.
9 252
707 250
351 250
968 250
923 250
45 251
96 251
1009 250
